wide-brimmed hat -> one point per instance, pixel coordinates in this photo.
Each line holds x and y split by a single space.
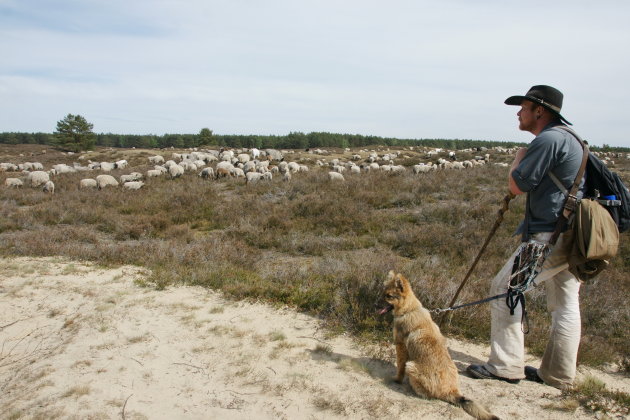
547 96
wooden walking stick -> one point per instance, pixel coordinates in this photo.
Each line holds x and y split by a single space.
505 207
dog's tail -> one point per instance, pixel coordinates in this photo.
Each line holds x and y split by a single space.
474 409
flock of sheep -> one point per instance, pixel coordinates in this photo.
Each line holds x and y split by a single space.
252 165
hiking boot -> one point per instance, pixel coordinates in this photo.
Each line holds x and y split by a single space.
531 374
480 372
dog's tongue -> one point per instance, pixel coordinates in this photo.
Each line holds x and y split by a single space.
384 310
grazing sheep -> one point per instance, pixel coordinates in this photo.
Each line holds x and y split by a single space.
37 178
49 187
243 157
13 182
62 168
175 171
238 173
207 173
156 159
223 172
151 173
134 176
335 176
286 177
87 183
121 164
8 167
133 185
107 166
105 181
252 177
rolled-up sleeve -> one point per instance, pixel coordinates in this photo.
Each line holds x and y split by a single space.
535 164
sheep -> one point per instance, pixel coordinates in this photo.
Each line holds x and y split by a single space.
13 182
243 157
238 173
286 177
37 178
49 187
133 185
255 153
134 176
8 167
156 159
62 168
87 183
121 164
107 166
335 176
106 180
207 173
251 177
151 173
175 171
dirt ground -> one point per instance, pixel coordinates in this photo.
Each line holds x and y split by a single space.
79 341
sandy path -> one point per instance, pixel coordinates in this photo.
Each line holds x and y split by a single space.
79 341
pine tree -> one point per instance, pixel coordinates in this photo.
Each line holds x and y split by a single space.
74 134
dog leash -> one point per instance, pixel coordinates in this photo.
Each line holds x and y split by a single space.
504 208
478 302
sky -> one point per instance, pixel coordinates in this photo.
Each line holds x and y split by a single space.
409 69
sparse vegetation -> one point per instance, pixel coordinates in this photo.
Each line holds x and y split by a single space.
319 247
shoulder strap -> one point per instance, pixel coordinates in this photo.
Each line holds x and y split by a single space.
571 201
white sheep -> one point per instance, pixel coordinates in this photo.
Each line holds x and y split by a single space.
88 183
62 168
121 164
286 177
37 178
107 166
134 176
156 159
105 181
49 187
8 167
175 171
335 176
13 182
133 185
207 173
151 173
252 177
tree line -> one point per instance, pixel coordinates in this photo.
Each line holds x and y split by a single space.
74 133
293 140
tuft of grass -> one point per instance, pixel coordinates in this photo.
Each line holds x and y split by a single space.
76 391
591 393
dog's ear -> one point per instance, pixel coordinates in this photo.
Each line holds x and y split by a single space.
391 275
402 283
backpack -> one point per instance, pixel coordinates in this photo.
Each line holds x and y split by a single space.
596 219
607 187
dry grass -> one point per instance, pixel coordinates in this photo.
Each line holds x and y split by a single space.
320 247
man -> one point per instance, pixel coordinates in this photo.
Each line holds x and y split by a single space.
552 150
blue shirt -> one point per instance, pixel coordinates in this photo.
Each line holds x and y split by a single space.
553 150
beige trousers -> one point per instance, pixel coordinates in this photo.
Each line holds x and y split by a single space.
507 339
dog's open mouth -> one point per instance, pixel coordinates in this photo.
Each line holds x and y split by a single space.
385 309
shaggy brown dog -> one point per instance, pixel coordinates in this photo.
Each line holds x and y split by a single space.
421 349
